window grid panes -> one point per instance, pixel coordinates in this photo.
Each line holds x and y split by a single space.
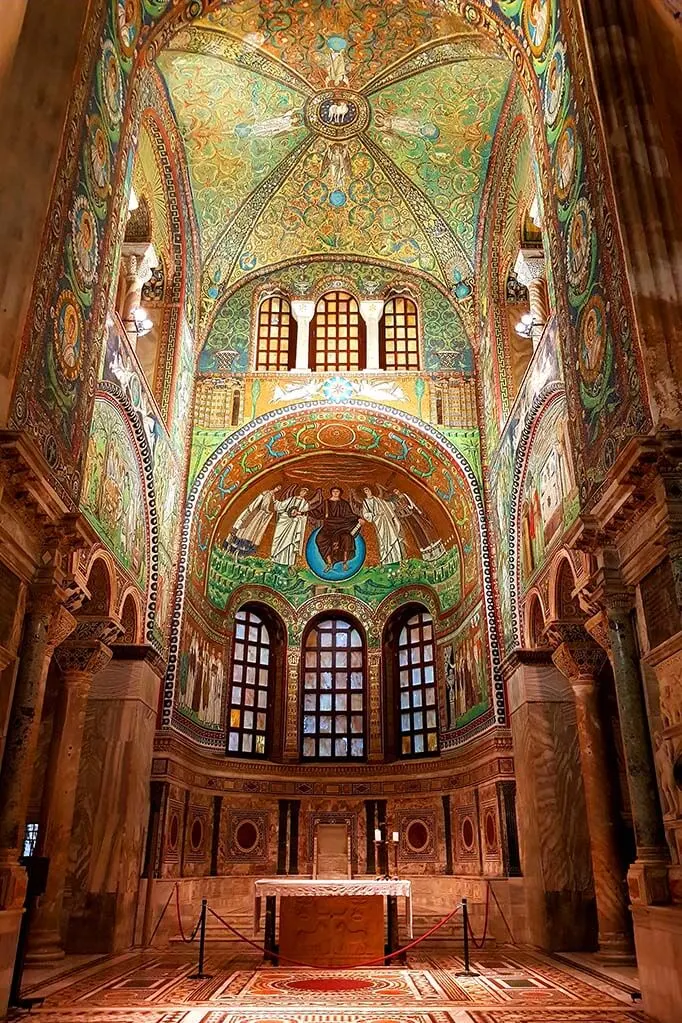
400 349
248 707
417 710
333 696
275 334
336 334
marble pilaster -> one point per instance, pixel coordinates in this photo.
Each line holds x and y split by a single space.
79 660
550 804
580 659
112 803
291 741
303 312
371 312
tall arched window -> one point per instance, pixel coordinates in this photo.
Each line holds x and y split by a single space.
333 713
416 713
399 335
276 342
337 334
250 688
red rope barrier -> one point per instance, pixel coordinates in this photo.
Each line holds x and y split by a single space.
349 966
501 912
163 913
480 944
188 941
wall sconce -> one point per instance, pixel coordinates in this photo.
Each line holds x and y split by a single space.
524 328
142 322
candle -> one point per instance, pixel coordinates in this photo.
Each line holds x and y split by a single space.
396 836
377 834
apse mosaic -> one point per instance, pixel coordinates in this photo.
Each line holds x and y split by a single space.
344 522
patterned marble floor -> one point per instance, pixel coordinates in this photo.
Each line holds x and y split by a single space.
156 987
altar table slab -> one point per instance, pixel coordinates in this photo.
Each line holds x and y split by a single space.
331 922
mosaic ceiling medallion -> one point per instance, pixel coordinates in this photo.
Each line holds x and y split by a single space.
337 113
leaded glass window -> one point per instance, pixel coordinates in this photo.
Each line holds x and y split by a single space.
333 693
247 718
417 701
399 335
337 338
276 335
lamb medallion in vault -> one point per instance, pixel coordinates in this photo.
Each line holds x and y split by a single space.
337 113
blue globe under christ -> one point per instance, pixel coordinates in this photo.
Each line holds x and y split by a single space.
337 572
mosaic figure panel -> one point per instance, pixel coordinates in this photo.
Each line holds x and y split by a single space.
114 495
467 688
548 500
201 676
337 519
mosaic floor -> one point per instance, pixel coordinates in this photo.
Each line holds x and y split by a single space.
511 987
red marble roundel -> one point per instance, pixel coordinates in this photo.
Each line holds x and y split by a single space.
246 836
490 831
417 835
196 834
331 984
173 831
467 833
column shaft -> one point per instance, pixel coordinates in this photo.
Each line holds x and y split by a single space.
609 886
646 812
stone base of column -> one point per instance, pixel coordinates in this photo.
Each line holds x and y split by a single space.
10 924
616 950
44 947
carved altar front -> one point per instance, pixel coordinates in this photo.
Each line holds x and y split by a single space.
331 922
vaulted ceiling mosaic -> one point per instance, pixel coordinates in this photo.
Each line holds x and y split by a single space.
348 127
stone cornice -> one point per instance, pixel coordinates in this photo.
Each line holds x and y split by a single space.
176 760
523 656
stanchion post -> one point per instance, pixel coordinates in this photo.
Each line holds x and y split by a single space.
465 921
200 975
465 918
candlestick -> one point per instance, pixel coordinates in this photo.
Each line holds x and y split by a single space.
396 836
377 834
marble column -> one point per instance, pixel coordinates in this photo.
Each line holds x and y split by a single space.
648 875
47 624
79 662
303 313
371 313
580 659
291 730
376 741
138 262
530 271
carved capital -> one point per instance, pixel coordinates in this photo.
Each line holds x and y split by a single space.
86 658
62 624
598 628
104 628
579 662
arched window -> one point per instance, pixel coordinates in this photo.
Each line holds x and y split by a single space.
250 686
417 713
333 713
399 335
276 345
337 334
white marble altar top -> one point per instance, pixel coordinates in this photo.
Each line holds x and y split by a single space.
299 886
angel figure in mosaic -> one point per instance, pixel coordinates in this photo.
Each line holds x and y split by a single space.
380 511
291 510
